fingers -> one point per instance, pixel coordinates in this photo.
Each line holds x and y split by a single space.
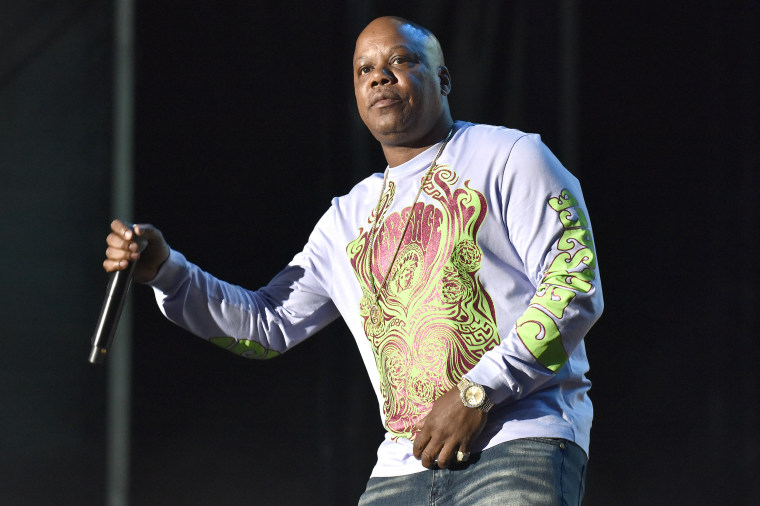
114 265
121 229
119 253
123 245
439 438
117 242
420 442
133 232
447 455
435 453
429 455
427 443
430 451
118 259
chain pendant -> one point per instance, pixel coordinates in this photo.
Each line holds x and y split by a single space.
376 315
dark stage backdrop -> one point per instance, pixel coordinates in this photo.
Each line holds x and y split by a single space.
246 128
55 81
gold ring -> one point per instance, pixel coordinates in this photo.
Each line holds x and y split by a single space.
463 456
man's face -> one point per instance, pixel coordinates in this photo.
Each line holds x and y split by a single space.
398 77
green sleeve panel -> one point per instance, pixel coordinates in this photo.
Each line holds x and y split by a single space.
244 347
571 270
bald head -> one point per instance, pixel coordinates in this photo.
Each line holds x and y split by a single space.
401 86
413 31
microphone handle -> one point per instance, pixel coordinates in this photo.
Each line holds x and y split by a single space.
116 295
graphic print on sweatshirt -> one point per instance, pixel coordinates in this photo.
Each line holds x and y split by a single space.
433 319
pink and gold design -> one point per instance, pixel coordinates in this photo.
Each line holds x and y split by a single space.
432 320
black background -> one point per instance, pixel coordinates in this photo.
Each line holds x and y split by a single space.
246 128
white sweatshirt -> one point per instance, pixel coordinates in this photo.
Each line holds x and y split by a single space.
494 276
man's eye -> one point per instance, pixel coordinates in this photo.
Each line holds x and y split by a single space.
398 60
364 70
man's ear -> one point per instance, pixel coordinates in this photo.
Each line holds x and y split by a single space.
445 78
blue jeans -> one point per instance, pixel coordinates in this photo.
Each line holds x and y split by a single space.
530 471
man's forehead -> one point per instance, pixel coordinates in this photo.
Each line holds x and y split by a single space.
391 37
369 50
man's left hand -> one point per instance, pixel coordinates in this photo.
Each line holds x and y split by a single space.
449 427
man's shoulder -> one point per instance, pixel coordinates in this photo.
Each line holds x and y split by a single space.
495 135
487 130
363 191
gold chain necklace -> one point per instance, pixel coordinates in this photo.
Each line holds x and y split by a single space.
375 311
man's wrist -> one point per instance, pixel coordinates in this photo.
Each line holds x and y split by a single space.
474 395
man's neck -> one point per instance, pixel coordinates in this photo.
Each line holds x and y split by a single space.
399 155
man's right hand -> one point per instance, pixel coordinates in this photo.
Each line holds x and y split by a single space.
122 249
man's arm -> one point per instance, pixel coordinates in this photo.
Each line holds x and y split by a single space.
548 226
252 323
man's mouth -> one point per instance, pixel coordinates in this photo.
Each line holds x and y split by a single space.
384 101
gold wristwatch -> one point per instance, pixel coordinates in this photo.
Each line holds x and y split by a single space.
474 395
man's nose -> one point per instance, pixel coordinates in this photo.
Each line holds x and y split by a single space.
382 76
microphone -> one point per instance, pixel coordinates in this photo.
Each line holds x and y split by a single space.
116 295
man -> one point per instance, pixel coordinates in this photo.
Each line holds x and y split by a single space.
467 275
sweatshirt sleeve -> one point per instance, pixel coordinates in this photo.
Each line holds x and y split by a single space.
547 224
252 323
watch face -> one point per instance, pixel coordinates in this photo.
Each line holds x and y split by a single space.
474 395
